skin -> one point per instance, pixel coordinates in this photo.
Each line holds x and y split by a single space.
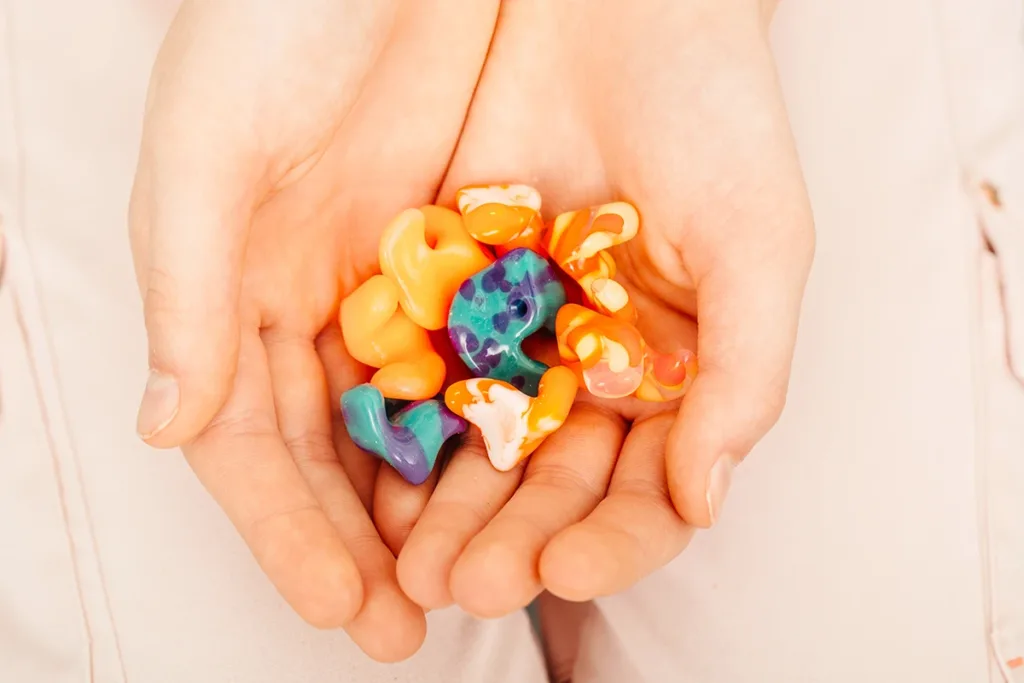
278 142
279 139
693 131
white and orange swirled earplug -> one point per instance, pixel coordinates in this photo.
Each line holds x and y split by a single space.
504 216
612 360
579 241
512 423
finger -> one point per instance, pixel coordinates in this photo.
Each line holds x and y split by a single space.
565 479
389 626
748 308
399 504
343 373
243 462
561 625
632 532
190 211
468 495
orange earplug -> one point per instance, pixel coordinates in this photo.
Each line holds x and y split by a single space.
667 376
578 242
425 254
513 424
378 333
607 355
428 253
506 216
612 360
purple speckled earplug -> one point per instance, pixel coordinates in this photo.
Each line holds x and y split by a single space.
497 309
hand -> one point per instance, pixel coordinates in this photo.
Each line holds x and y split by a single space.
279 140
675 107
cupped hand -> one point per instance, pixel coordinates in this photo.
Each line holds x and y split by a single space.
675 107
279 140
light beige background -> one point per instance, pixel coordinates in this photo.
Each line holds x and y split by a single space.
876 535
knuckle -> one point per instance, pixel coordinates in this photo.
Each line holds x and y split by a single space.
362 541
657 541
160 300
645 494
229 425
597 416
269 534
255 423
471 445
310 447
561 478
454 516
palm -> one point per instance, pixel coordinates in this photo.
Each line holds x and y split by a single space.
306 164
591 512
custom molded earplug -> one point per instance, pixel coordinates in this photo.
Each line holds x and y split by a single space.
667 376
497 309
607 355
409 440
513 424
505 216
578 242
378 333
438 270
612 360
428 253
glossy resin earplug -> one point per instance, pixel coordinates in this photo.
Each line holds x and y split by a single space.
497 309
378 333
578 242
428 253
612 360
513 424
606 354
438 270
667 376
506 216
425 254
409 440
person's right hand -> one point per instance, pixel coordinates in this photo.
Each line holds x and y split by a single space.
279 140
674 106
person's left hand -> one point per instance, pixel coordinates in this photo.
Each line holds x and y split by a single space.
676 108
278 141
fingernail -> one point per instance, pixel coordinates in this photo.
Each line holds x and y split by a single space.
718 485
159 404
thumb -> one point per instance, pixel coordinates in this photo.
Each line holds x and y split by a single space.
191 208
748 312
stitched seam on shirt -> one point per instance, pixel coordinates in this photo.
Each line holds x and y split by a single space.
19 211
981 464
44 348
978 356
51 447
980 440
1002 276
